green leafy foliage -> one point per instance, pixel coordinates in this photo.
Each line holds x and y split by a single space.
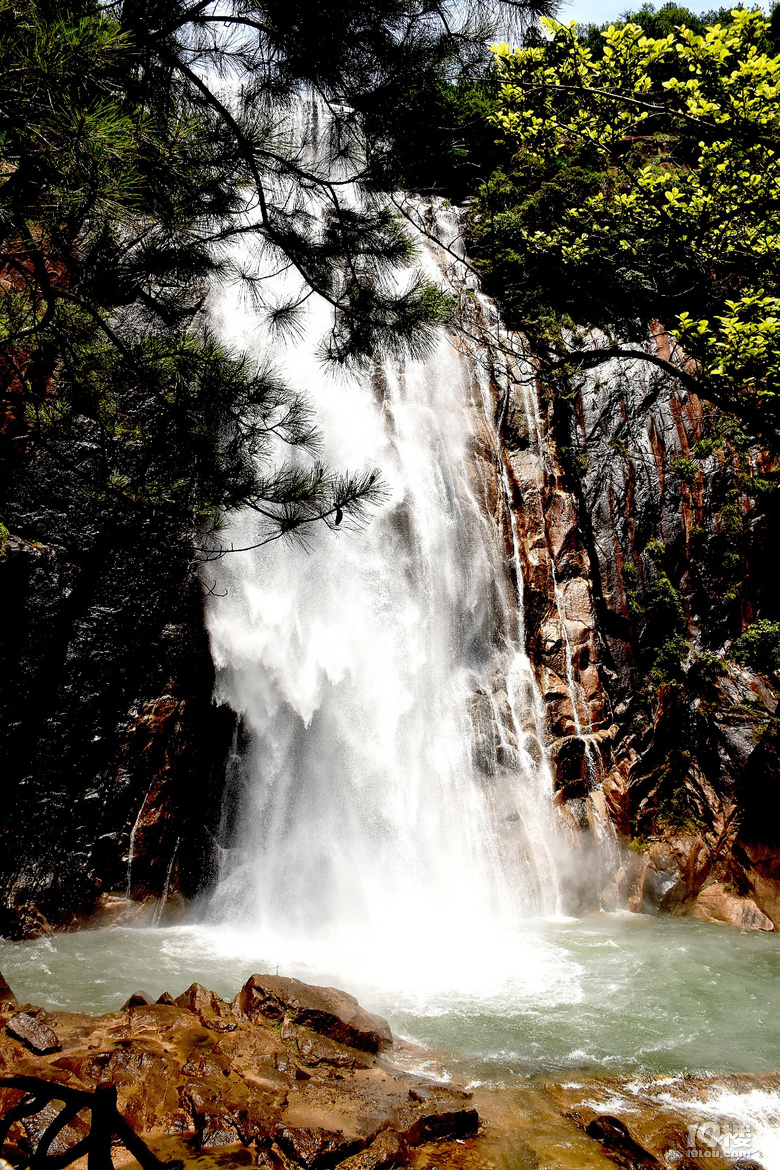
759 647
687 470
642 188
637 198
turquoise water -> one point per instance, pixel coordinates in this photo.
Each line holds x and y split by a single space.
614 993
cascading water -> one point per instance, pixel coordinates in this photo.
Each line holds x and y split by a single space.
391 828
393 781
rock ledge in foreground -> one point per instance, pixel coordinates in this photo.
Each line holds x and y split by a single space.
289 1070
326 1010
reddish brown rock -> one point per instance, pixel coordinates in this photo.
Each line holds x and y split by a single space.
325 1010
615 1136
611 505
314 1049
67 1137
33 1032
299 1097
215 1129
138 999
652 1123
437 1122
199 999
7 997
385 1152
762 869
313 1147
717 904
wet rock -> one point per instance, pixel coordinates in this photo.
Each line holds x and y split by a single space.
325 1010
106 685
137 999
613 1133
757 848
34 1033
68 1136
570 766
215 1129
7 997
147 1079
657 884
213 1012
22 919
208 1064
217 1024
653 1122
666 874
199 999
270 1159
288 1066
762 872
642 523
314 1049
717 904
312 1147
436 1121
299 1096
385 1152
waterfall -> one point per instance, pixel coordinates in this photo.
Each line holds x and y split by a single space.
392 781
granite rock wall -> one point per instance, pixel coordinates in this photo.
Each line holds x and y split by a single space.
647 536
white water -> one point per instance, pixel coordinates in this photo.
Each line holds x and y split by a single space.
364 845
613 993
392 783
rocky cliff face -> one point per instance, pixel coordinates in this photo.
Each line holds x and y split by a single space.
113 755
647 537
644 534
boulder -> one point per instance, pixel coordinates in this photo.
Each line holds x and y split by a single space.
614 1135
199 999
653 1123
71 1133
717 904
138 999
296 1095
326 1010
385 1152
314 1049
213 1012
215 1129
312 1147
436 1121
33 1033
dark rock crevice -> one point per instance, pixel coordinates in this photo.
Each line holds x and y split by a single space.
106 715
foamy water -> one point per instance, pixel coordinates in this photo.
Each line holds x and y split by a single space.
392 785
614 993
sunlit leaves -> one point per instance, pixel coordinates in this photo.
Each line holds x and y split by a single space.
684 129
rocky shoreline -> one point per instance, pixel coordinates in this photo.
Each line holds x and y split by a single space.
289 1075
639 1123
296 1075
